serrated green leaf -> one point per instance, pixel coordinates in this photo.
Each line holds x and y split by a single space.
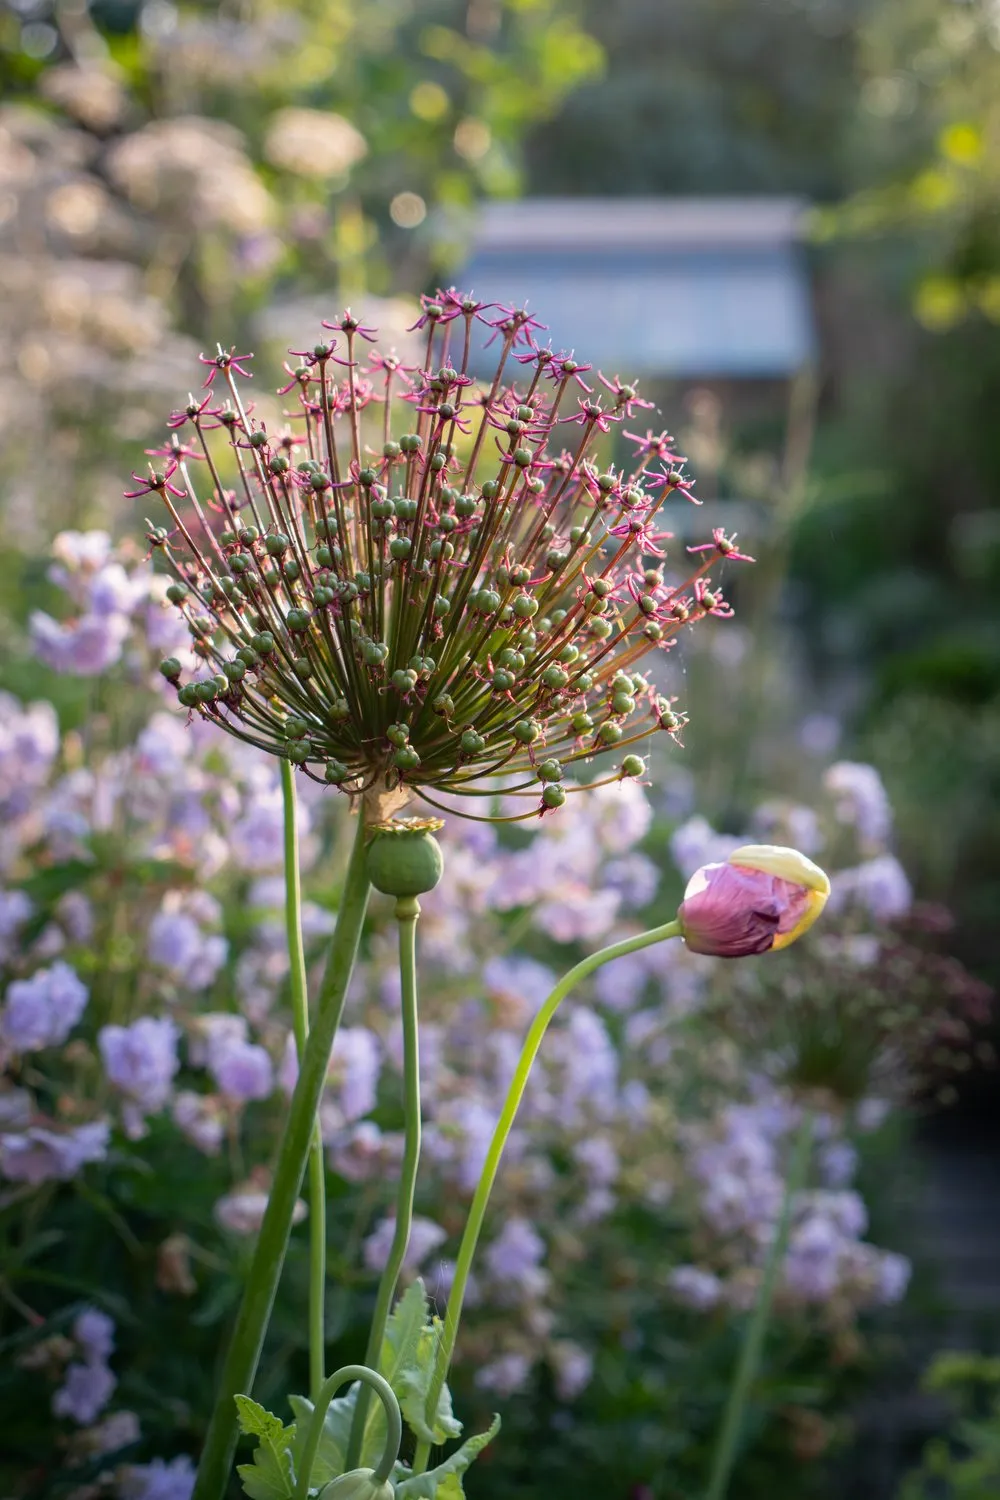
271 1476
331 1455
408 1352
445 1482
413 1386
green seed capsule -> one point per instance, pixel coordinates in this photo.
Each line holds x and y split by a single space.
444 704
633 765
177 592
299 752
549 770
264 643
406 759
555 677
171 668
472 743
609 733
622 703
405 859
553 796
527 731
235 671
187 696
336 772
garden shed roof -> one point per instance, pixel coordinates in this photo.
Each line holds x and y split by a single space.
685 287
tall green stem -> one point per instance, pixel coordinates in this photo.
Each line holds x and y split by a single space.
481 1197
756 1329
300 1022
407 912
269 1255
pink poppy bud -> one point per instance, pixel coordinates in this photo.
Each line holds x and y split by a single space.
763 897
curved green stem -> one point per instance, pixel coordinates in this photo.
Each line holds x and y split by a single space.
300 1022
407 912
481 1197
370 1379
724 1456
269 1253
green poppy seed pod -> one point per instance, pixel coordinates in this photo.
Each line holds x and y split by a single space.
404 858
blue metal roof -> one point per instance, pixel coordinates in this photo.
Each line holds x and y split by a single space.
671 288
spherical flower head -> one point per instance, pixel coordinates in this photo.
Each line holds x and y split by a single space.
425 581
762 898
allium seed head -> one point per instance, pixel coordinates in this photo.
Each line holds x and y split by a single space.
416 610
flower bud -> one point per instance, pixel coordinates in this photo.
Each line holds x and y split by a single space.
358 1484
763 897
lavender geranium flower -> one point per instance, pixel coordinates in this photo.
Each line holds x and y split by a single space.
762 897
141 1059
42 1153
85 1392
159 1480
42 1011
467 598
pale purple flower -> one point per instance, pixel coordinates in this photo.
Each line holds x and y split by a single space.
141 1059
820 734
813 1260
459 1138
696 843
425 1238
871 1113
85 648
40 1154
177 943
838 1162
85 1392
597 1160
578 914
505 1375
354 1072
159 1480
243 1071
893 1277
516 1253
573 1367
257 839
119 1430
199 1117
42 1011
78 552
15 909
94 1331
242 1211
620 984
359 1154
879 886
514 977
694 1287
634 878
76 913
860 800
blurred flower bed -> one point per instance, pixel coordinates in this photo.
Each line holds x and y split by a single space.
147 1051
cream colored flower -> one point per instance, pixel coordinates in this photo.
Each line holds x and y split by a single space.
313 143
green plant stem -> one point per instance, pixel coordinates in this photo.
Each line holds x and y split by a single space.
370 1380
481 1197
407 912
300 1022
269 1254
727 1442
